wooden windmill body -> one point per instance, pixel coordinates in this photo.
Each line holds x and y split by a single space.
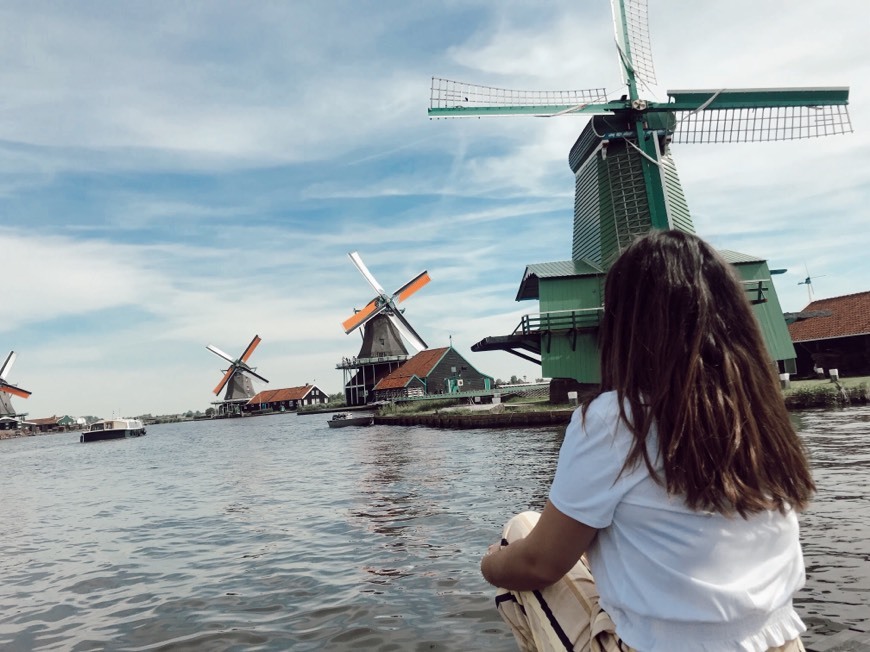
626 184
383 327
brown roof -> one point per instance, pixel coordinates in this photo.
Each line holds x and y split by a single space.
47 421
850 316
420 365
286 394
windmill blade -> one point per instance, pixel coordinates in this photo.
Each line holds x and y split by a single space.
7 365
754 115
12 389
217 351
449 98
360 265
412 286
372 308
248 351
405 328
225 380
255 374
631 29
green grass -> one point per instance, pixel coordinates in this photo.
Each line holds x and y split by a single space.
814 384
822 393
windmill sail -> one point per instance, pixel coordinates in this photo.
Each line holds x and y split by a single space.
631 28
236 377
7 389
755 115
449 98
383 306
6 408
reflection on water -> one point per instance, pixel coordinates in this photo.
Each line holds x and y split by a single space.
276 533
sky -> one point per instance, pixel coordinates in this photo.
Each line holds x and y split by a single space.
174 175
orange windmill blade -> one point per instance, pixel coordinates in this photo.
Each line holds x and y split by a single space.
8 388
387 304
236 376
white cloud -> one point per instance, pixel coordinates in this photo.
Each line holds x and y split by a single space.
207 170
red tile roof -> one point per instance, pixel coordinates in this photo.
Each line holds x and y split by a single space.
286 394
851 316
47 421
420 365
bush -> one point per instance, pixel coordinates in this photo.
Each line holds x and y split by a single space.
826 396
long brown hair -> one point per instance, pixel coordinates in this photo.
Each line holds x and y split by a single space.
682 349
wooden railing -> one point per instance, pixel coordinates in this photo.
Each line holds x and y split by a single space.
560 320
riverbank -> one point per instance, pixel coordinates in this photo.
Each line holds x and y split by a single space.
800 395
559 415
824 393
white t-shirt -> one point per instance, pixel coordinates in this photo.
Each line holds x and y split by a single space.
671 578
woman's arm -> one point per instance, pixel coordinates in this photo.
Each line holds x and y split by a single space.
549 551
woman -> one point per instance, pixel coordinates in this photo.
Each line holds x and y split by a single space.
680 481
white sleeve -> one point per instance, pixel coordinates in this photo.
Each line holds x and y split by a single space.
590 460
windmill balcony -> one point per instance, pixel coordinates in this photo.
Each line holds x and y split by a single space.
584 319
354 362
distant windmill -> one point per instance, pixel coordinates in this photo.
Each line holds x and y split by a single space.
386 304
7 388
808 281
626 182
383 326
235 379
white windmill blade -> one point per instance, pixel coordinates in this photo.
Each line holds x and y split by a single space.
766 123
447 93
248 370
217 351
405 328
631 29
360 265
4 370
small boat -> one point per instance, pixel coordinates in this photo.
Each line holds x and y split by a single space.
113 429
342 419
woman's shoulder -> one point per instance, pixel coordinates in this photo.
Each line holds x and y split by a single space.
601 414
605 405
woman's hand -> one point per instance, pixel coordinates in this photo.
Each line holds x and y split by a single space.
538 560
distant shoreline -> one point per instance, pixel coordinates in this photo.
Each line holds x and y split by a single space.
801 395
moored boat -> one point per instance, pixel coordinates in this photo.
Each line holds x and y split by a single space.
113 429
342 419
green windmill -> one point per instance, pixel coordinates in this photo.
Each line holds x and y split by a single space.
626 184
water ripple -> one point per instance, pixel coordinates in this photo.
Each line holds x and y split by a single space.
276 533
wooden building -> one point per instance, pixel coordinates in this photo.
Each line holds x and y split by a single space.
289 398
563 336
837 337
50 424
432 372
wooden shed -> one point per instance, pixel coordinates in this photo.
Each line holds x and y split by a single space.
289 398
836 336
432 372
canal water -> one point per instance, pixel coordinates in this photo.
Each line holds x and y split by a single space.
277 533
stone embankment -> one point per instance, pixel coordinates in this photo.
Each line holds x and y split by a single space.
489 420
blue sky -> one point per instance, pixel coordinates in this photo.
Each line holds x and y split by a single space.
180 174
